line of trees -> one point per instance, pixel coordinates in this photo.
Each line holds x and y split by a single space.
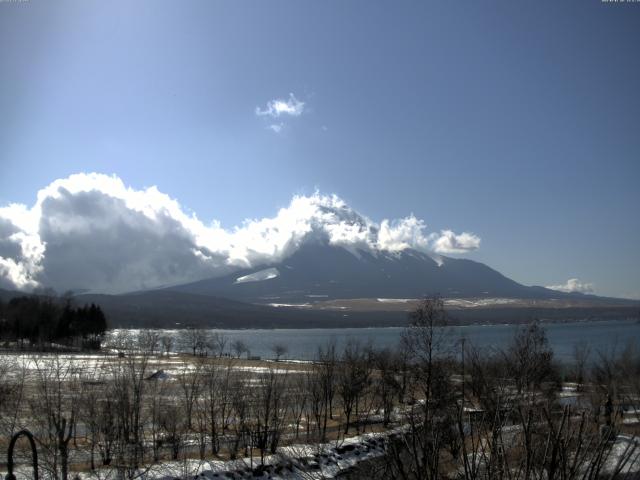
40 321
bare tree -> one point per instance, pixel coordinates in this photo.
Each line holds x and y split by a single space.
353 378
241 410
107 426
219 342
279 350
581 353
128 388
269 410
530 357
201 426
149 341
91 396
157 391
171 422
12 389
386 383
239 347
55 407
297 399
214 394
198 341
429 419
327 370
190 383
167 344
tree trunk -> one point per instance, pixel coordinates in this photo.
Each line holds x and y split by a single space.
64 460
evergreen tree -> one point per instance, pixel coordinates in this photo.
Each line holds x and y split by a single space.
40 319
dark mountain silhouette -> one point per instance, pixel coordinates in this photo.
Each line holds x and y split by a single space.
317 270
174 309
317 284
169 309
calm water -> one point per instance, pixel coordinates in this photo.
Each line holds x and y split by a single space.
303 344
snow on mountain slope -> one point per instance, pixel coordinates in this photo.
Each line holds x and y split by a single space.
259 276
318 269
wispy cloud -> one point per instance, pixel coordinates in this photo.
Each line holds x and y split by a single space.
281 107
276 127
573 285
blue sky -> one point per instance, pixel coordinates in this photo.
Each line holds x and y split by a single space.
517 121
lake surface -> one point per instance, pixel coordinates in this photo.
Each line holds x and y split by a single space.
302 344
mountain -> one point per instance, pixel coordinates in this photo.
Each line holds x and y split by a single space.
165 309
324 285
318 270
172 309
175 309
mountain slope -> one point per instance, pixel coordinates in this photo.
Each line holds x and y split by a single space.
178 310
171 309
320 271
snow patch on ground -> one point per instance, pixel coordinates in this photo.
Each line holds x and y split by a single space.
624 457
478 302
263 370
395 300
294 462
298 305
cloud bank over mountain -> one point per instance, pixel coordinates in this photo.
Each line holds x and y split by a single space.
91 231
573 285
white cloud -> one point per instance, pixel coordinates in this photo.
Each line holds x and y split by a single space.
91 231
21 250
279 107
402 234
573 285
448 242
276 127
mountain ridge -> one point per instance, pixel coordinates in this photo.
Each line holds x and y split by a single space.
324 285
319 270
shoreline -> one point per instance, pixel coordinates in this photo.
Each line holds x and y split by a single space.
390 325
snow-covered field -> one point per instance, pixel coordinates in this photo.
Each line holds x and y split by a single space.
100 364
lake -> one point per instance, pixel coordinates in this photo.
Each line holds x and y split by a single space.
302 344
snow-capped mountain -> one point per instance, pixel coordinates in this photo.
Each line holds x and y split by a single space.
318 270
